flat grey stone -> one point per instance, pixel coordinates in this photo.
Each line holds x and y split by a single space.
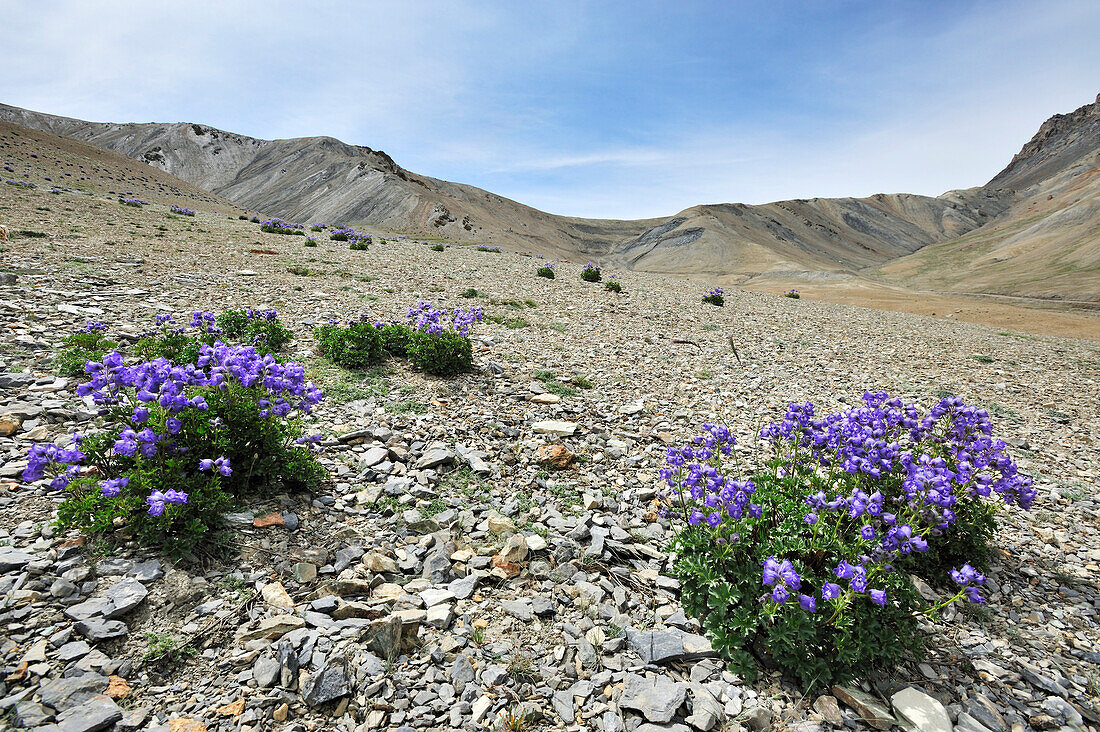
69 691
519 609
657 698
325 685
99 712
667 646
96 630
920 710
11 560
266 671
147 571
125 596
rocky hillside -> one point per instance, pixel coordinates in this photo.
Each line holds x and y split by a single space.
323 179
1031 232
1046 244
487 549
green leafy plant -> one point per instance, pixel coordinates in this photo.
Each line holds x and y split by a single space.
445 353
395 338
180 447
470 293
437 247
546 270
865 497
88 344
613 285
355 346
591 272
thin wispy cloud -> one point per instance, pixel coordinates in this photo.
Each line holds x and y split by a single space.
589 109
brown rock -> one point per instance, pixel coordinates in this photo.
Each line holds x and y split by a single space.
232 710
185 725
502 566
555 456
827 707
117 687
276 596
9 425
280 712
515 549
869 709
272 519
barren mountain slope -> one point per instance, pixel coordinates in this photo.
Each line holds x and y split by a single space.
1047 244
49 161
322 179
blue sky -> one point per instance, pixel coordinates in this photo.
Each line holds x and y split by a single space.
602 109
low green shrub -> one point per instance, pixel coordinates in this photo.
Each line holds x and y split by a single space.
613 285
591 272
395 338
357 345
714 297
179 447
546 270
260 329
445 353
90 343
437 247
862 497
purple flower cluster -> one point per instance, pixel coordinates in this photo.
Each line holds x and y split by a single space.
883 474
591 267
132 391
181 210
93 326
495 250
348 234
217 367
694 471
715 292
63 464
20 183
949 451
134 202
423 316
278 226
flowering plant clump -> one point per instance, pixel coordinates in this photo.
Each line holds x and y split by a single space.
439 343
181 211
793 294
181 444
135 202
89 343
179 342
355 346
546 270
436 341
20 183
437 247
316 227
613 284
714 297
808 560
484 248
591 272
310 241
356 240
278 226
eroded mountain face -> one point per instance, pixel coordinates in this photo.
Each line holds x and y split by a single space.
1042 207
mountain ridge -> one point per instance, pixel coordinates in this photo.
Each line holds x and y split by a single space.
322 178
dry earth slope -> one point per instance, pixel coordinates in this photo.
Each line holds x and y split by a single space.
1031 231
319 178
